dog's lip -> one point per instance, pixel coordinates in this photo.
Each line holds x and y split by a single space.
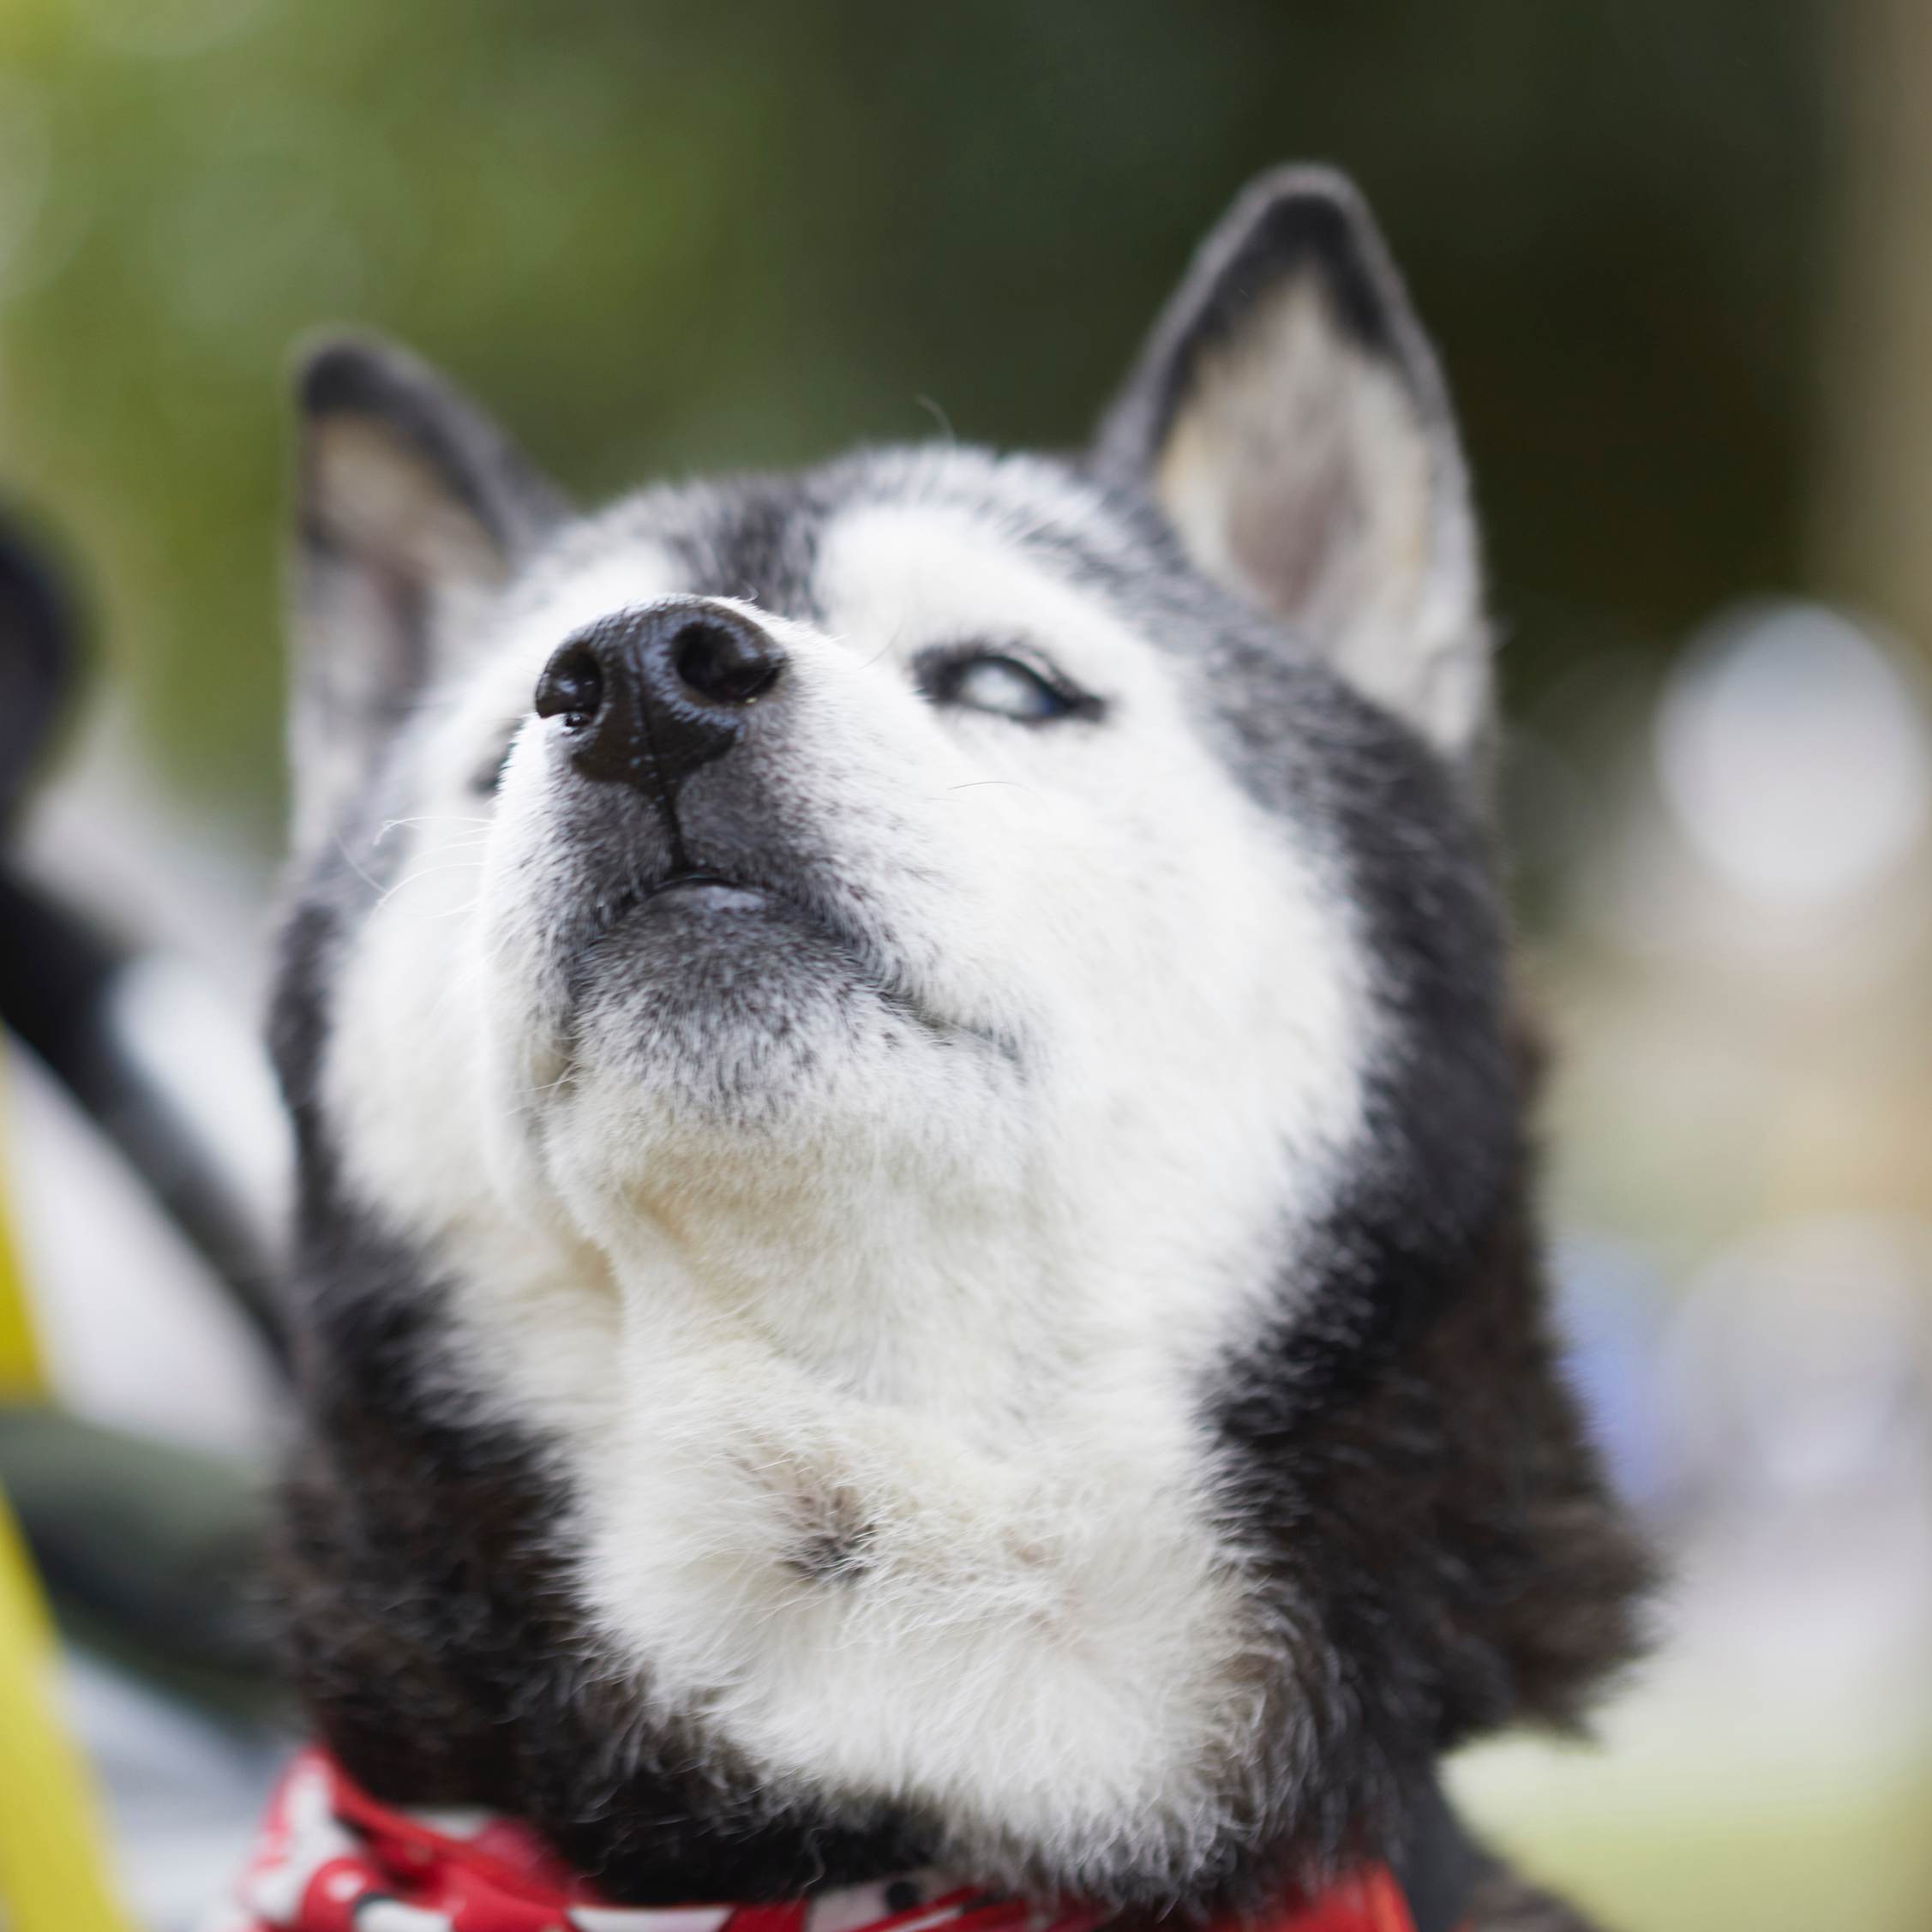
712 890
690 889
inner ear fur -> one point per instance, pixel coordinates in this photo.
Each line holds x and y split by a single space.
1289 417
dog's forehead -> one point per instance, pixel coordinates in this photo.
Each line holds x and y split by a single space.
766 539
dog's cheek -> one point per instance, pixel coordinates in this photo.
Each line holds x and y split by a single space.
1211 1011
400 1079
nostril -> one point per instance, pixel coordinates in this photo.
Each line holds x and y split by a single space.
572 687
726 663
649 694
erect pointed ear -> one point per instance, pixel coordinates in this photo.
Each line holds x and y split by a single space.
1289 417
412 509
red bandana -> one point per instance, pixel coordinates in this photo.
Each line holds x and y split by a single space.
330 1858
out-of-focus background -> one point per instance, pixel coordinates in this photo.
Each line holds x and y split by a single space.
1678 257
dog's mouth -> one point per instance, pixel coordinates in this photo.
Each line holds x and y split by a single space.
712 906
706 891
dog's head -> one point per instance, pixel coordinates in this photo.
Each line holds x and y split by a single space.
951 817
935 1032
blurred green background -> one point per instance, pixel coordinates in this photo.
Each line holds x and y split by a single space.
1675 254
668 235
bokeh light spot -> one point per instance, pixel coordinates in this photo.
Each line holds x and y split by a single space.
1793 754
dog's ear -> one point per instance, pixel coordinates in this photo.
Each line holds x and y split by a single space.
1289 417
412 509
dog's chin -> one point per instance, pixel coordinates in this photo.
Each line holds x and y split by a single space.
711 1004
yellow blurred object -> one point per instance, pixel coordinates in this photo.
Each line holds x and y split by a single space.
52 1862
21 1376
52 1876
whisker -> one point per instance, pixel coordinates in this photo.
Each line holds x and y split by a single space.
430 872
429 819
939 416
356 867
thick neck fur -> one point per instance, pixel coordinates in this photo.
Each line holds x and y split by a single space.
851 1585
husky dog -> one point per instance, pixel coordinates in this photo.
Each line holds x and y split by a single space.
912 1246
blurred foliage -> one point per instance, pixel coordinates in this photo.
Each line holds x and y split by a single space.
657 235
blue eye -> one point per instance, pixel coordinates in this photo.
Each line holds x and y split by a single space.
489 776
1003 683
999 685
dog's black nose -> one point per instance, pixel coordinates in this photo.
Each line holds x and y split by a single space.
648 696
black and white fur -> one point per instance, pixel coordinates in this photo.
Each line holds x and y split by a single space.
1011 1337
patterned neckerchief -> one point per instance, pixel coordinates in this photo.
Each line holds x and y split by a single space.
331 1858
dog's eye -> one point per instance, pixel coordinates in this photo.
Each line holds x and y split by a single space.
1009 683
488 777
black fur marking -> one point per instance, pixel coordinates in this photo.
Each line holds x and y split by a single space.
1304 229
757 538
1402 1456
